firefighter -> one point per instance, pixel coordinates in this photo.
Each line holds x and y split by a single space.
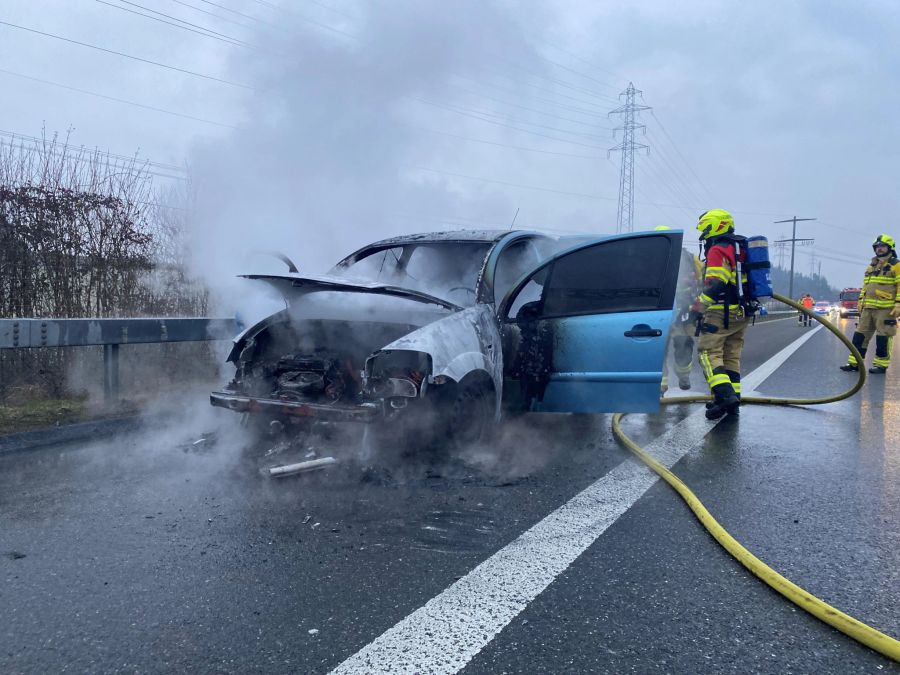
720 314
879 307
689 285
682 332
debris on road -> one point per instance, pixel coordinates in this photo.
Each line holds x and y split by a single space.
301 467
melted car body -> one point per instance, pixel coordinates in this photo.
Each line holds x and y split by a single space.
449 329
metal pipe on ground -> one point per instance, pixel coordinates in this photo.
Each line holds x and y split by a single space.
301 467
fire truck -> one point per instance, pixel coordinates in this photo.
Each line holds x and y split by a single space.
849 302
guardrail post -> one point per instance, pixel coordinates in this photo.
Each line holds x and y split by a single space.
111 372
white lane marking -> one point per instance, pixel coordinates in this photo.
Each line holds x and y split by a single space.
448 631
758 376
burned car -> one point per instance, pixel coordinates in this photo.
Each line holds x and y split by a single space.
438 335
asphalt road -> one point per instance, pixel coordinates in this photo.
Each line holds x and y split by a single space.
152 553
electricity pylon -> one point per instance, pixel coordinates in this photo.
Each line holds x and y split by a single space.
625 215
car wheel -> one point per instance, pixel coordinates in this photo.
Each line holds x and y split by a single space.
467 415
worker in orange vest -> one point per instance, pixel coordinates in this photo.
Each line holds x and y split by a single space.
808 302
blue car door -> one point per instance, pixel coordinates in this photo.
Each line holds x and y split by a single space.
594 337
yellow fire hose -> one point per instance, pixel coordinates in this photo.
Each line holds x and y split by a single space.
883 644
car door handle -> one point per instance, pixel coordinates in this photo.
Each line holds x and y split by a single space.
643 331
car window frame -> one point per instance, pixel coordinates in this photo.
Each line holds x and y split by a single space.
667 294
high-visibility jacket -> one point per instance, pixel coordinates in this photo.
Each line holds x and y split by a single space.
807 301
720 276
880 286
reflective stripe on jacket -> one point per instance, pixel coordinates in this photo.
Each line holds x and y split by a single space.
880 284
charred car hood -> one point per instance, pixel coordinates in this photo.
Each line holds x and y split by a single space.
299 295
293 286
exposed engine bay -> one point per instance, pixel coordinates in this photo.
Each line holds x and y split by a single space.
285 362
321 376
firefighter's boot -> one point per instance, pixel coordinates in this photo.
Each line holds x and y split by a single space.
852 366
882 360
724 401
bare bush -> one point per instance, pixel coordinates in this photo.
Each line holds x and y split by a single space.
84 233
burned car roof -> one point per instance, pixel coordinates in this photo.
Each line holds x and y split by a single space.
449 236
485 236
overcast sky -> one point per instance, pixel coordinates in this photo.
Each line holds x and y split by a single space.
332 123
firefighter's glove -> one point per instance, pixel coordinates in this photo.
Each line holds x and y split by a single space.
896 311
695 316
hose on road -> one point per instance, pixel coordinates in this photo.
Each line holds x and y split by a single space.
880 642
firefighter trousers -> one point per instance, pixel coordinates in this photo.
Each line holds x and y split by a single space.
719 350
883 326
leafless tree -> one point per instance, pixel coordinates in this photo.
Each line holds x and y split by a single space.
85 234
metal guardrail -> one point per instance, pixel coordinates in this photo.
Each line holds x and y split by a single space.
111 333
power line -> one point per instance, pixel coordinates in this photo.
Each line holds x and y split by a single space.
140 169
686 163
504 145
662 184
234 11
563 192
517 185
677 174
840 227
460 111
504 116
318 24
186 23
119 100
35 139
205 32
579 58
862 260
660 207
315 2
580 74
127 56
562 83
514 92
832 258
219 16
593 125
597 112
672 164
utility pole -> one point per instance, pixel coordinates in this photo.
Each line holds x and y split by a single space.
625 214
793 241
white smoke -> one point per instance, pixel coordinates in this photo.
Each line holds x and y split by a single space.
325 159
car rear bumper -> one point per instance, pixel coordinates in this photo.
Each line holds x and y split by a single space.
364 412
